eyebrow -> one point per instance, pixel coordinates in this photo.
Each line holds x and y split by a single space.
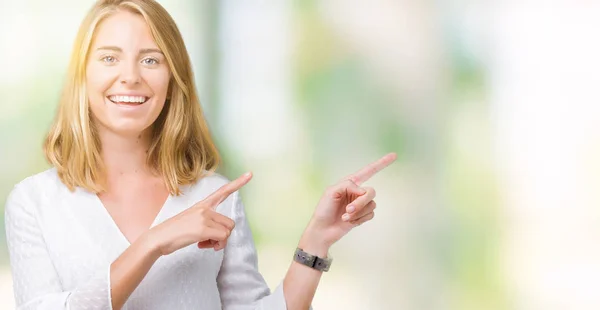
118 49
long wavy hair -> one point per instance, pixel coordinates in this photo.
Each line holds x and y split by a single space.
181 150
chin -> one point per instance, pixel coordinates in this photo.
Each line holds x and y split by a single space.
127 128
126 120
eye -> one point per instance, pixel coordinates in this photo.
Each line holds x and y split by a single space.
108 59
150 61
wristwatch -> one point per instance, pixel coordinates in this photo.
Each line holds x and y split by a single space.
312 261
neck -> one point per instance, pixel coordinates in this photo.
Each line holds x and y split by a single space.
123 155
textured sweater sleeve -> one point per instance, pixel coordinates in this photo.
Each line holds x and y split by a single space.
36 283
241 286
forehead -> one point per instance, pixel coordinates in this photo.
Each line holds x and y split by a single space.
124 29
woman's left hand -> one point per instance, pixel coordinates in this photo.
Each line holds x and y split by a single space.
342 207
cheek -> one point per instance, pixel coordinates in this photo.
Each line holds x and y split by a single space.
158 81
98 82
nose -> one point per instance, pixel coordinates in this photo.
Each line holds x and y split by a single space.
130 74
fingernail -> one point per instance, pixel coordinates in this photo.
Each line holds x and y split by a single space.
346 217
350 209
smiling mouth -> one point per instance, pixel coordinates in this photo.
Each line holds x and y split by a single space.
128 100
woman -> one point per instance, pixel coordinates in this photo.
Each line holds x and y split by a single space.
132 215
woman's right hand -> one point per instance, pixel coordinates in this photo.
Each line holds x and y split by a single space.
198 224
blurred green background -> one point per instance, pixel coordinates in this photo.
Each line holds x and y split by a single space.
303 93
472 96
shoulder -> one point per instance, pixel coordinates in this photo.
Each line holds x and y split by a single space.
44 182
209 183
34 189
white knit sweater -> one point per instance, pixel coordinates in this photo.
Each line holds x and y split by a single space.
61 245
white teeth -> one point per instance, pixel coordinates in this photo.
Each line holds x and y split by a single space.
131 99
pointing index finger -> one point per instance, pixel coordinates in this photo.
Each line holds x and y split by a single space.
224 191
371 169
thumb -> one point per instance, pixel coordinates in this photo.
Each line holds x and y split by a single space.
206 244
345 188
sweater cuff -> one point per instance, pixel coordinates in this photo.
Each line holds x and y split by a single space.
93 295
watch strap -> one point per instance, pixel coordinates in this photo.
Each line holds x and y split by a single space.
312 261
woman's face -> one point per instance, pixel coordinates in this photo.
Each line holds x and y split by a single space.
127 76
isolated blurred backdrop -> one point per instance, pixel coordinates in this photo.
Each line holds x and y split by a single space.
492 107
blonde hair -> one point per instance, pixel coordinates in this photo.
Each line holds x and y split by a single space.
181 149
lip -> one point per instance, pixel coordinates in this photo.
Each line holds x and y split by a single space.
127 94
